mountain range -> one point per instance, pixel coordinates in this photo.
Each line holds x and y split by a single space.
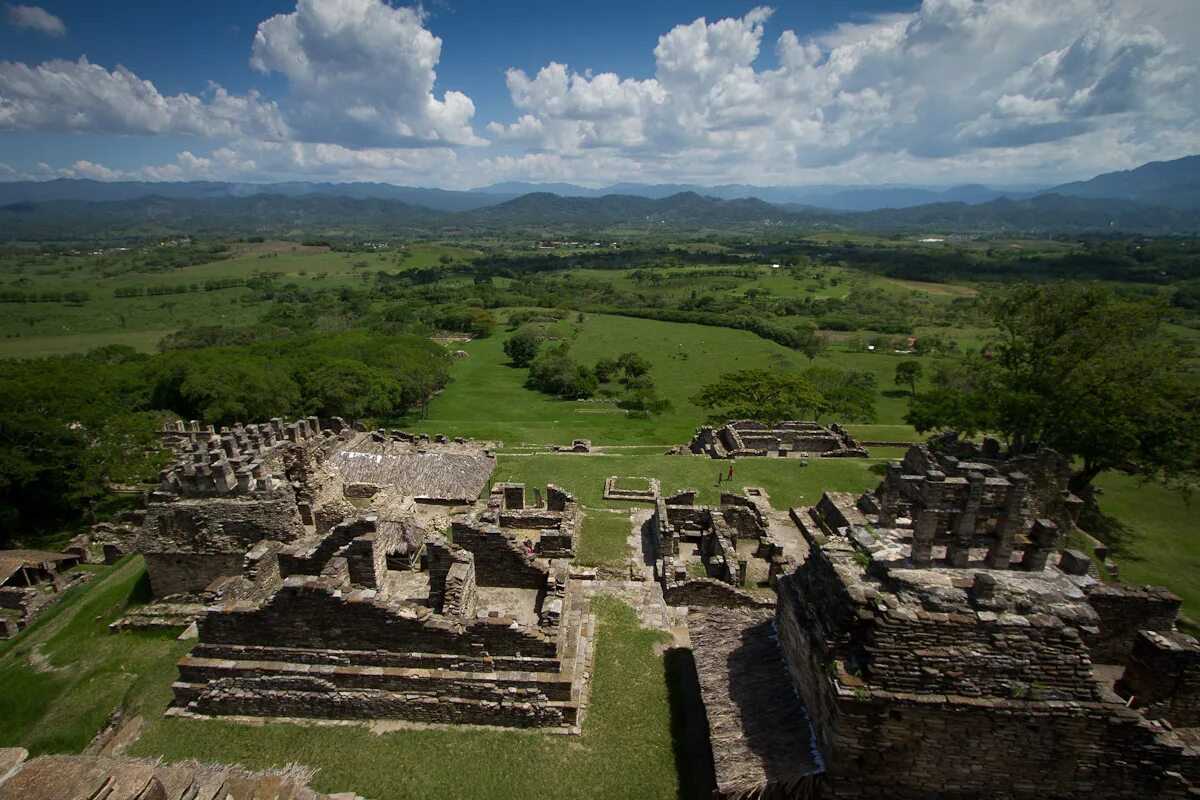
1159 197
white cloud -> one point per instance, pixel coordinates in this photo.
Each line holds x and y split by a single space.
35 18
361 73
1001 89
81 96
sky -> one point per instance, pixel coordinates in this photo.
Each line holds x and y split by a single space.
465 93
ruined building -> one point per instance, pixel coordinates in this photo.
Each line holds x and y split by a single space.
790 439
939 646
326 591
714 555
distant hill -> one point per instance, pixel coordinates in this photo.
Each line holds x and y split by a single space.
1157 198
110 191
1174 184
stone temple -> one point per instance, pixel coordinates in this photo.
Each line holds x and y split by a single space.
931 639
937 645
314 564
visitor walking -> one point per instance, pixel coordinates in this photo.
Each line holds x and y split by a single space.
730 472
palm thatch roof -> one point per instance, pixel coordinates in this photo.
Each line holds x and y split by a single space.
434 475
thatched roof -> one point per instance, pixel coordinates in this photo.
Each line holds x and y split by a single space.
13 560
761 741
434 475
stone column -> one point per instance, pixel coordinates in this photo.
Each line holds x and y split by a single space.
1043 544
1012 519
959 550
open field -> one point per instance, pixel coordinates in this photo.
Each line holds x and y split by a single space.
488 400
46 328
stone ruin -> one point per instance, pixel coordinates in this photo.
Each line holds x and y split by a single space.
308 558
508 521
714 555
98 777
31 580
649 493
933 633
790 439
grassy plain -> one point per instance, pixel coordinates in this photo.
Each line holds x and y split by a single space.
488 399
49 328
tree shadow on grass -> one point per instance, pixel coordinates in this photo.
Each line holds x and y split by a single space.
896 393
1111 531
689 726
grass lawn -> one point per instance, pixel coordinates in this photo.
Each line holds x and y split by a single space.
488 399
60 679
785 480
603 539
1154 538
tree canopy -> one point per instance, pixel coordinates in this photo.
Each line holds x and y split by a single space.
769 397
1080 369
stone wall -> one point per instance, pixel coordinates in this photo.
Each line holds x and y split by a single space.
189 573
998 655
710 592
499 559
929 748
1163 677
314 613
1125 610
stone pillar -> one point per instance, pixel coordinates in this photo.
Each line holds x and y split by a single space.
1012 519
1043 543
959 550
924 529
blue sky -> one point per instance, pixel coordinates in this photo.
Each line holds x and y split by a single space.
459 94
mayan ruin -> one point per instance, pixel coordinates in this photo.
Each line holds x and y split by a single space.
463 400
788 439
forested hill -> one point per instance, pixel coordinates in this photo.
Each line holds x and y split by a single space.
1175 184
320 215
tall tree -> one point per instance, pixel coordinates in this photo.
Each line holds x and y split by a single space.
1080 369
908 373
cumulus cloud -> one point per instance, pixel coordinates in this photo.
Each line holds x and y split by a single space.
361 73
80 96
985 85
35 18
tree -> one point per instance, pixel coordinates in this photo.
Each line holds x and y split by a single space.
1084 371
555 372
907 374
769 397
522 347
633 364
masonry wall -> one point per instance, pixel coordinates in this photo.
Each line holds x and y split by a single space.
187 573
910 748
499 560
1125 610
709 592
307 615
960 654
1163 678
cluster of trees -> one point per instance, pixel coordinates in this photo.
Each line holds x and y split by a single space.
771 397
1080 369
71 425
73 297
553 370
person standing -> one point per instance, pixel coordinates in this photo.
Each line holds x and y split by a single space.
730 472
